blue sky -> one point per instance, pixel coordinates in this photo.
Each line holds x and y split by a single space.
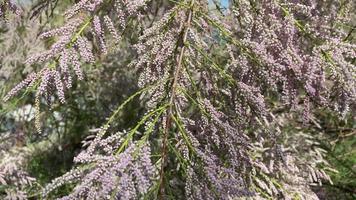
225 3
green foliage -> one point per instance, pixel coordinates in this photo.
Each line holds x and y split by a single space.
339 140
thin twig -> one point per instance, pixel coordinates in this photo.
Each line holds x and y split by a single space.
171 101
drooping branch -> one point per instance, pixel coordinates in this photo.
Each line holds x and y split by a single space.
170 111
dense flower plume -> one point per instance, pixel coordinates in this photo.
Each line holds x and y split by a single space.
13 173
8 6
124 175
213 83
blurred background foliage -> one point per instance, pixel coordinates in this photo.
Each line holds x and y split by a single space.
50 154
91 101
